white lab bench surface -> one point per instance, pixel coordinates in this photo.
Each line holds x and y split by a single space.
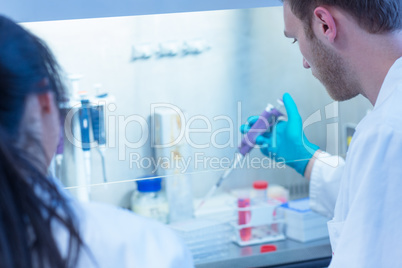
289 253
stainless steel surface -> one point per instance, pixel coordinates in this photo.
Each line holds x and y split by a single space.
288 252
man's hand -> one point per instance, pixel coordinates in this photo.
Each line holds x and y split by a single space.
286 142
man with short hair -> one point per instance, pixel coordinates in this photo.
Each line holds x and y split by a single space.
353 47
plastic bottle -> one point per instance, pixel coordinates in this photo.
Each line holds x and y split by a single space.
149 201
260 191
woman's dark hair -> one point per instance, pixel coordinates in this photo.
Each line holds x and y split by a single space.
375 16
30 202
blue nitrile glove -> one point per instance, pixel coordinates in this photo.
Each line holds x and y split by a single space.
287 142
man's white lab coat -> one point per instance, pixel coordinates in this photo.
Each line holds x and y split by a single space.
366 229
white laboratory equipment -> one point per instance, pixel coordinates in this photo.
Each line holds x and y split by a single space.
76 154
260 191
279 193
171 148
258 220
149 201
258 223
303 224
206 238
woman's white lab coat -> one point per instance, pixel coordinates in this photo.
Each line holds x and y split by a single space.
366 229
119 238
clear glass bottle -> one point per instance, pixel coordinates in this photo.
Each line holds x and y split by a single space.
149 201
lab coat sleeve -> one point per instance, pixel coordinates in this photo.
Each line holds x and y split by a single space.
324 183
119 238
371 233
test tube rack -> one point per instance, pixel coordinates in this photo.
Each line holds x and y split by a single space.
265 223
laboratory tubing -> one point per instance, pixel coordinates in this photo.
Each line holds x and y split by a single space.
149 201
260 191
244 218
267 119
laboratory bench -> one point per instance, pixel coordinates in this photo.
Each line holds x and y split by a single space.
289 253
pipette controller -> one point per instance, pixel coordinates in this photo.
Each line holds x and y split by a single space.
267 118
85 138
99 131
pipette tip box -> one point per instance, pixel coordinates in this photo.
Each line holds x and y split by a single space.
303 224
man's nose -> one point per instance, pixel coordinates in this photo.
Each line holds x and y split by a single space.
305 64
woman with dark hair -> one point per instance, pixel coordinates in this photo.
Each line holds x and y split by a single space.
40 224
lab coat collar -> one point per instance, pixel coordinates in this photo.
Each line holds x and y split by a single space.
393 77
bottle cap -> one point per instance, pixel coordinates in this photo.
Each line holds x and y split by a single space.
260 185
149 185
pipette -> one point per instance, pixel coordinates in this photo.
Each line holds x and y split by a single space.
85 139
267 118
98 129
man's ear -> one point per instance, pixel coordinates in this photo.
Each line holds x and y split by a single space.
327 27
